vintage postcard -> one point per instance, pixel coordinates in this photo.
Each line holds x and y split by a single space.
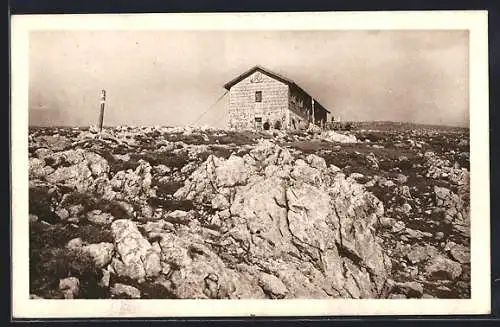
267 164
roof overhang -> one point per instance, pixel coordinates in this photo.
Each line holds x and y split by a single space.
269 73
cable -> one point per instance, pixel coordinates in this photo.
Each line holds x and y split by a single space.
203 114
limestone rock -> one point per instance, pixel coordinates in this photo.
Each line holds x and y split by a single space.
410 289
456 209
332 136
297 209
421 253
78 168
134 185
75 243
179 216
70 287
197 272
440 267
123 290
272 285
460 253
102 253
99 218
138 259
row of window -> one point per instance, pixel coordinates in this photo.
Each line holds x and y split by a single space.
296 102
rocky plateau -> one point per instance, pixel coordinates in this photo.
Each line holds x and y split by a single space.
381 211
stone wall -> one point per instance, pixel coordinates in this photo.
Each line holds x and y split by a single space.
281 106
243 109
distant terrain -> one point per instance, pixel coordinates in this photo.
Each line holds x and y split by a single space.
380 211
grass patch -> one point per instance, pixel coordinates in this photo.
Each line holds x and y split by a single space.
238 138
217 151
168 159
148 289
41 203
50 261
193 138
44 236
49 265
90 202
167 188
172 204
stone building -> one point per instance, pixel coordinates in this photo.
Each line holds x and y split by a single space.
261 99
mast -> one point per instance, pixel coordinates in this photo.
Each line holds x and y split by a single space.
312 106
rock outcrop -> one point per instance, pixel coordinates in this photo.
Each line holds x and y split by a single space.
136 259
332 136
296 219
161 212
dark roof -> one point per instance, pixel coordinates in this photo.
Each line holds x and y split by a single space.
269 73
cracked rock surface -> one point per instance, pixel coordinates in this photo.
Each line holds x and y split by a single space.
161 212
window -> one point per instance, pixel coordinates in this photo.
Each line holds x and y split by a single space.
258 96
258 122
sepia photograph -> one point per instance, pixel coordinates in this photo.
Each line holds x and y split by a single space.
274 164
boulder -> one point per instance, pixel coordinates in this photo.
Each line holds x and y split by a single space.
272 286
197 272
102 253
178 216
387 222
137 258
456 209
127 291
332 136
78 168
460 253
410 289
398 226
62 213
230 172
38 169
54 142
106 277
99 218
134 185
417 234
70 287
295 218
440 267
75 243
421 253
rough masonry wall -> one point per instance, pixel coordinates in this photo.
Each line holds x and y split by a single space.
242 106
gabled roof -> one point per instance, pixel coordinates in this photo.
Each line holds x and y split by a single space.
269 73
252 70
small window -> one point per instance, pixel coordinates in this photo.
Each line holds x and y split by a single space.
258 122
258 96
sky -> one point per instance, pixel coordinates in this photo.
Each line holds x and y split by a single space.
175 77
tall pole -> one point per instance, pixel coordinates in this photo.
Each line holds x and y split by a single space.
101 115
312 106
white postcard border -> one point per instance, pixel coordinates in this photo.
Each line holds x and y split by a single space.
474 21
